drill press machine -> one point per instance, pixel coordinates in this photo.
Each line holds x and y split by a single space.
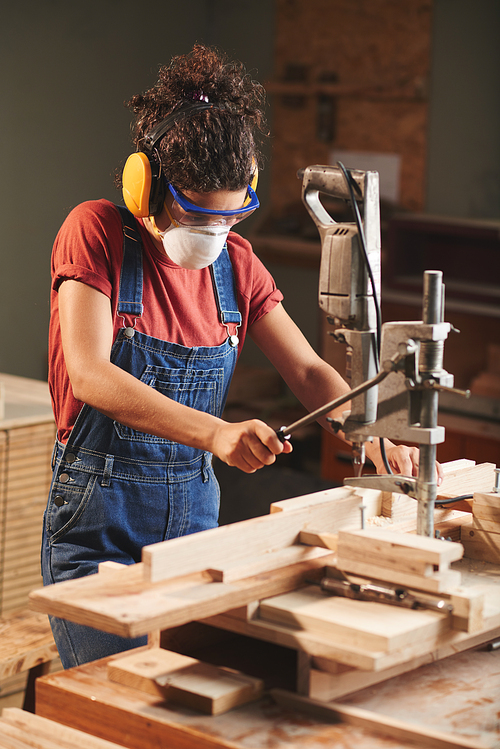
396 369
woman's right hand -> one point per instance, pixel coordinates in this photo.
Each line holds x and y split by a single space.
248 445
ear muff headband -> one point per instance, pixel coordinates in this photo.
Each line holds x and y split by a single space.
179 115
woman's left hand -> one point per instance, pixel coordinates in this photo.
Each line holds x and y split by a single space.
402 459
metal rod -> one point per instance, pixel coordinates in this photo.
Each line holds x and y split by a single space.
496 487
431 360
285 432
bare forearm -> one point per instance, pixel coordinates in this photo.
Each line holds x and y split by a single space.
246 445
318 386
125 399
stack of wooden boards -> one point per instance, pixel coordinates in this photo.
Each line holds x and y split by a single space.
27 433
396 639
396 559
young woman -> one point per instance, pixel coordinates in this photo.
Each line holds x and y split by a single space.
150 307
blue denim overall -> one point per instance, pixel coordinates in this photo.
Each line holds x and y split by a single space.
114 489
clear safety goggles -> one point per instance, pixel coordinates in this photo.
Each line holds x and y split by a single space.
186 213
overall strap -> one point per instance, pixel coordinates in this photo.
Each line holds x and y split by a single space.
225 292
130 293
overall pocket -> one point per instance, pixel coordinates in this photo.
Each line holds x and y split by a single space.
68 500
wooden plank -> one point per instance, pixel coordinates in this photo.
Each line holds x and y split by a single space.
243 541
328 680
363 624
399 548
487 512
400 558
230 571
452 467
479 478
185 681
370 498
12 737
440 582
132 606
460 478
326 687
383 724
36 728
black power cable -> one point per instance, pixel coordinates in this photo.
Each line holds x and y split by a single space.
351 186
451 500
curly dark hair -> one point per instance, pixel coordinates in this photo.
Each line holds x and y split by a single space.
214 149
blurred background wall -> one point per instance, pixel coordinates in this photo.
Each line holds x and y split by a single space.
66 68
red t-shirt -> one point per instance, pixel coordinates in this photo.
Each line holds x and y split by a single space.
179 304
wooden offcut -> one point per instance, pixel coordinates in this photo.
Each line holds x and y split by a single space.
184 680
401 558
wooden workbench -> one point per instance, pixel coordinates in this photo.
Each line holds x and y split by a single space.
456 702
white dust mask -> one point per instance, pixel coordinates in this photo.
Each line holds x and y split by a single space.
194 247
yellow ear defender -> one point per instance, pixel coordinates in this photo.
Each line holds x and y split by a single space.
143 188
137 182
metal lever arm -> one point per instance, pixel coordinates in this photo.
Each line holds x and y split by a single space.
389 366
